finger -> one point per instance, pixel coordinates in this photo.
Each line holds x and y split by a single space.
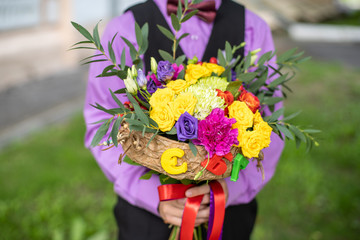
173 220
198 190
206 199
203 213
200 221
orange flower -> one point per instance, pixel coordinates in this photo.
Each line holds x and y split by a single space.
250 99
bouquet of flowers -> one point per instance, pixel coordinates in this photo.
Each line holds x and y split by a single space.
194 121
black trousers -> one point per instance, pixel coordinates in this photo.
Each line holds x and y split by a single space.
137 224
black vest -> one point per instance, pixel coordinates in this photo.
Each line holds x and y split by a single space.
229 25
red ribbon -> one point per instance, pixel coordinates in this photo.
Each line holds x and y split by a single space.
176 191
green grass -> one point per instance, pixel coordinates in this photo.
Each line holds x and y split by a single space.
50 185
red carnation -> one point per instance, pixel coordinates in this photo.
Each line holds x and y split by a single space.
250 99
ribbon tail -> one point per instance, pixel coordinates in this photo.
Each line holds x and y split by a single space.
189 216
219 210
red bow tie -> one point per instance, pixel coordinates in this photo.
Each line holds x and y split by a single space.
207 10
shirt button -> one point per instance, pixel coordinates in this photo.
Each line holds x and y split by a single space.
194 37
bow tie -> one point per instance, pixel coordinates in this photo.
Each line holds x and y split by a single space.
207 10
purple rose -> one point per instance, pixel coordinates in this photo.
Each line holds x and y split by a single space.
165 71
187 127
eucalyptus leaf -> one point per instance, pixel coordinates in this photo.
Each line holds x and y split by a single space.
175 22
111 53
233 87
193 148
129 161
297 133
275 116
119 103
265 57
152 137
180 61
221 58
285 56
166 56
83 31
123 59
271 100
247 77
278 81
148 175
228 51
173 131
258 83
139 112
291 116
81 42
179 10
100 133
285 131
94 61
120 91
189 15
183 36
115 130
97 37
166 32
138 34
311 131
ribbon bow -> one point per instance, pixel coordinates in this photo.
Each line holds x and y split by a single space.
217 208
207 10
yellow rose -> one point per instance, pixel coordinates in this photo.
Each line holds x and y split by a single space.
257 118
184 102
162 96
243 115
251 144
214 68
163 116
264 130
241 131
178 85
194 72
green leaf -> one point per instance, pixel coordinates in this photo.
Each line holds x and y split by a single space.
278 81
106 70
135 122
172 131
175 22
123 59
111 53
180 60
275 116
148 175
247 62
131 47
97 37
311 131
221 58
285 131
189 15
303 60
285 56
257 84
120 91
247 77
179 10
91 48
265 57
152 137
166 32
164 179
291 116
233 87
93 56
139 112
115 130
131 162
112 40
193 148
83 31
119 103
271 100
297 133
182 36
138 34
81 42
145 41
94 61
228 51
100 133
166 56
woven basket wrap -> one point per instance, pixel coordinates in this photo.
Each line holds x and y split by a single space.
134 146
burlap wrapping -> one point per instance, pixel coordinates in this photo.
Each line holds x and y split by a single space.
134 146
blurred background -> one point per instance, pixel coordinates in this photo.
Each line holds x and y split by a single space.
51 188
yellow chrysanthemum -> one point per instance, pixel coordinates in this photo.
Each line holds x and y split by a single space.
214 68
184 102
264 130
178 85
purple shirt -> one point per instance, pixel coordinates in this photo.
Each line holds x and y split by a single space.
125 177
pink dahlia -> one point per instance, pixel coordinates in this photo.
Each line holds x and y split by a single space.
215 133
